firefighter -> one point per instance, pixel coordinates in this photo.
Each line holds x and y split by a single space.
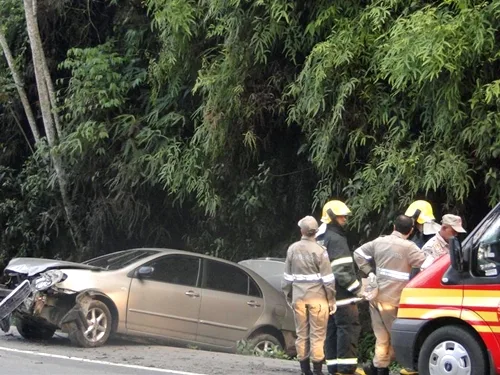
309 287
389 260
437 246
425 225
341 345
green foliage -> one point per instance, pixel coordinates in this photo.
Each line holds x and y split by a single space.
29 213
245 348
388 99
215 124
366 347
12 16
96 83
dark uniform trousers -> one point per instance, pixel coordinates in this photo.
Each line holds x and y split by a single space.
341 344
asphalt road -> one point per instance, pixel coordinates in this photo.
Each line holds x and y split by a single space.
58 357
28 362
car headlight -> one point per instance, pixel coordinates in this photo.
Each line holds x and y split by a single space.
47 279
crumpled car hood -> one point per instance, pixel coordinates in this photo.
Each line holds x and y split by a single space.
33 266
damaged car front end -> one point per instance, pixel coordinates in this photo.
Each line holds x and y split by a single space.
172 295
39 307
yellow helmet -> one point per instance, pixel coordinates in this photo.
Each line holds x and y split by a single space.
426 214
337 207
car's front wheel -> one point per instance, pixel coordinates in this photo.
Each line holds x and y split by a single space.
32 331
98 330
452 350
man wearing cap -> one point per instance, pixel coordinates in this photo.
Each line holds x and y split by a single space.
309 287
437 246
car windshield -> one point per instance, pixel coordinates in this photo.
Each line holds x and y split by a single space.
115 261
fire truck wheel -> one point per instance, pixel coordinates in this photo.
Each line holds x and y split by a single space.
452 350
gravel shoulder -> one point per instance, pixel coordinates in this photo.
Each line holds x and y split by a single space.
140 352
146 354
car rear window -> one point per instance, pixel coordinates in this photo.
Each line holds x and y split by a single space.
115 261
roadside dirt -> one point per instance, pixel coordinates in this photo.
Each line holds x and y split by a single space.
159 356
144 353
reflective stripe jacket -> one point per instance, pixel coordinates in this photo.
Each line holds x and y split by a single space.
308 275
391 258
342 263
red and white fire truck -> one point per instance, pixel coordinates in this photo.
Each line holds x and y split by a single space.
449 315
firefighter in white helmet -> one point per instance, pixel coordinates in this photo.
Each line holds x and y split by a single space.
341 345
309 287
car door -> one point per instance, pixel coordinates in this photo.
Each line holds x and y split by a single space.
481 302
166 303
231 304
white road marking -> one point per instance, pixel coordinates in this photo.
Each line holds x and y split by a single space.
137 367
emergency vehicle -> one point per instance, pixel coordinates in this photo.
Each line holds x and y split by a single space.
449 316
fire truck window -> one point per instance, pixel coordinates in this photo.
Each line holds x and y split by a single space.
488 252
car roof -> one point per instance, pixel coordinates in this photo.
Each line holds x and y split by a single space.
164 251
274 259
184 252
263 283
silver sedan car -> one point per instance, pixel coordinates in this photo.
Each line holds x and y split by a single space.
183 297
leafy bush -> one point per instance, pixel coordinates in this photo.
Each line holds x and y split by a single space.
243 347
215 125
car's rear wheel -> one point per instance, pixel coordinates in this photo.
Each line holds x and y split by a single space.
32 331
265 345
98 330
452 350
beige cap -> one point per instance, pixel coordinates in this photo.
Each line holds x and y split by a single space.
308 224
453 221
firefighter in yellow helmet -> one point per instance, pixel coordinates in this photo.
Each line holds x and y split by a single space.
343 330
425 225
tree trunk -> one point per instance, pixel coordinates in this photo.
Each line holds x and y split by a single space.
20 87
52 97
48 81
47 115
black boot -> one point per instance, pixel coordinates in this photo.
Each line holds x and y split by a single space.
305 367
370 370
318 368
382 371
332 369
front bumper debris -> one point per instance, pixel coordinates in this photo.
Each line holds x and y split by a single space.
15 299
78 313
5 324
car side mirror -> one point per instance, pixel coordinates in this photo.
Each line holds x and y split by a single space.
456 254
144 272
